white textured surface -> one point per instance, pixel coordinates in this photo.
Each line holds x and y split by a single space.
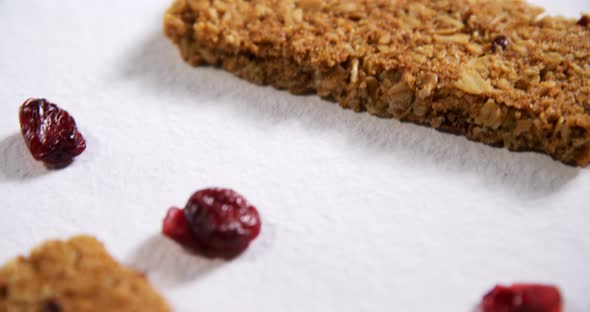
360 213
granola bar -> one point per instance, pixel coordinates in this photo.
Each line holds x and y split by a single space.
76 275
494 71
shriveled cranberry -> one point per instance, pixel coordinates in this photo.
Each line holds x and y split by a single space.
50 132
222 220
500 42
215 222
584 21
522 298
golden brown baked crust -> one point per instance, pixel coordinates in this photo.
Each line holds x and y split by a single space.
432 62
77 275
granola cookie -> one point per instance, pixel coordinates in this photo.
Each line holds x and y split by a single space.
77 275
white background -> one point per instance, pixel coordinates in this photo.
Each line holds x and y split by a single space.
360 213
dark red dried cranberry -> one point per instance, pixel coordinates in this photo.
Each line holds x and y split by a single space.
216 222
522 298
51 306
500 42
50 132
584 21
222 220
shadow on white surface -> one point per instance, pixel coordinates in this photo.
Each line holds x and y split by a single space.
262 244
16 162
157 64
168 264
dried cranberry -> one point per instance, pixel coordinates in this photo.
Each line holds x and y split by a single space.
50 132
499 42
522 298
584 21
51 306
176 227
216 222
